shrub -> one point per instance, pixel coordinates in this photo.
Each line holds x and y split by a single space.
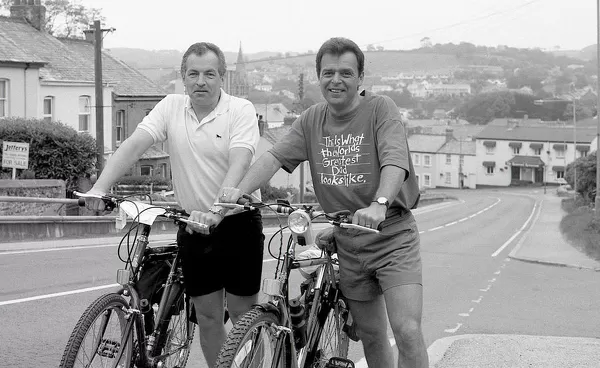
271 194
56 151
144 180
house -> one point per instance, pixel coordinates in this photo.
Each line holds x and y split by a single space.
273 114
424 148
457 164
513 150
45 77
449 90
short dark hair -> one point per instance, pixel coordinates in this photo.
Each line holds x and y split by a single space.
201 48
339 46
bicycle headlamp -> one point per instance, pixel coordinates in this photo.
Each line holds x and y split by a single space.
299 225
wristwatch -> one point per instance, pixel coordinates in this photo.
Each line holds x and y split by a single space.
383 201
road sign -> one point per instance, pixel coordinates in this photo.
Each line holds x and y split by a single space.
15 155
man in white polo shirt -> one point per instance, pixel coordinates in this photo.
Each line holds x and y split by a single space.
212 138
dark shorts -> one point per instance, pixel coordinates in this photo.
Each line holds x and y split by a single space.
230 258
373 263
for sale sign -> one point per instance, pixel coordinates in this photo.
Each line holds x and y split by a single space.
15 155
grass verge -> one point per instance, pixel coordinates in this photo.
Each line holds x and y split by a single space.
580 228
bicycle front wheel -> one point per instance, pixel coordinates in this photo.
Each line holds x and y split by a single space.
98 339
252 343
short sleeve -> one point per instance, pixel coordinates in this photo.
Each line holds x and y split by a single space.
155 123
291 150
244 128
391 138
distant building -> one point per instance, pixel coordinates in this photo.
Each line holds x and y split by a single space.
236 80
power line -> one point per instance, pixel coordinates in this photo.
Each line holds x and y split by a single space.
457 24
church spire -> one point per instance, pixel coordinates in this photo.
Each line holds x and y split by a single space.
240 65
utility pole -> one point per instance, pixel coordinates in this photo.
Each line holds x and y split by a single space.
574 152
98 32
597 199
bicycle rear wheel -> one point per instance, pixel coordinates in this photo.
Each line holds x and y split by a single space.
98 337
252 343
326 337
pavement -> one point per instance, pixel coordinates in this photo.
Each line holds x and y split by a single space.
541 242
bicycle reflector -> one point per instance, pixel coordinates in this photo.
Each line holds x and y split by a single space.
299 225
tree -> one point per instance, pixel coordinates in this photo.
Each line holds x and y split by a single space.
483 108
425 42
65 18
370 47
379 48
586 175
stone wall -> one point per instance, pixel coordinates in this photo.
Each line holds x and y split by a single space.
40 188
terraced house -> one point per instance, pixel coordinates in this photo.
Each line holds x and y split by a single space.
510 151
45 77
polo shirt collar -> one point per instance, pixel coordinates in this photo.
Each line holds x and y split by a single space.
221 108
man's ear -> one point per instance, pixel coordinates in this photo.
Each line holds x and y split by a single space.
361 79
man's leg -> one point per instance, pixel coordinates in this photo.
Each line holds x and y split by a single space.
371 323
404 305
210 313
238 305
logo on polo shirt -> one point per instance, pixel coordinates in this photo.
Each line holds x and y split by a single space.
218 136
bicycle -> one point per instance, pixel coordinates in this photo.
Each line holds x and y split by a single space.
311 330
122 329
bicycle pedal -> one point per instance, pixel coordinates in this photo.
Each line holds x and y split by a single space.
336 362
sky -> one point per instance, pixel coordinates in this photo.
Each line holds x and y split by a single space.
303 25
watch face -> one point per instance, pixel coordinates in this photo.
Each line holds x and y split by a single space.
382 200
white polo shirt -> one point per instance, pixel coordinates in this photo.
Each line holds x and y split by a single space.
200 150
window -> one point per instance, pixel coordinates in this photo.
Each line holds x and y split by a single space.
582 153
146 170
417 159
448 178
163 170
48 108
84 113
427 160
461 160
426 180
448 159
489 150
560 174
560 153
120 127
537 151
516 150
418 178
490 169
3 97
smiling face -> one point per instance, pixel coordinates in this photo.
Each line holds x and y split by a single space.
202 80
339 79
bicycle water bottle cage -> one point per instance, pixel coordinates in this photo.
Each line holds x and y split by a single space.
336 362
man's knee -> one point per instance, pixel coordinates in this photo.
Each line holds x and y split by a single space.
209 316
407 330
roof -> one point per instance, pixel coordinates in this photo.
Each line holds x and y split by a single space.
273 135
457 147
534 131
526 161
69 59
426 143
154 153
273 113
458 131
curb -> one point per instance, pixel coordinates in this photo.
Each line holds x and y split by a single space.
550 263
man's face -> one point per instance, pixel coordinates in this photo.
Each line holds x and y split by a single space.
202 81
340 79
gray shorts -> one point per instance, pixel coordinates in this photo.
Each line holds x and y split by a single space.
373 263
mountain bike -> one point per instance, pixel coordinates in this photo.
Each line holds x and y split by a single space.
311 330
144 323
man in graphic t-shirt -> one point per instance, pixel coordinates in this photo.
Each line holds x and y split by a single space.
359 160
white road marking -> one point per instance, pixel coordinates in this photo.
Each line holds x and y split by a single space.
535 207
478 300
463 219
464 314
486 289
453 330
64 293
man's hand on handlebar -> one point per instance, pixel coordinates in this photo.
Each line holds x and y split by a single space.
230 195
95 204
211 220
371 216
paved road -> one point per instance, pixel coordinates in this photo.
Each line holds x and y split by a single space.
471 286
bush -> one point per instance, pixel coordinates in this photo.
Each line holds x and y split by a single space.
56 151
271 194
144 180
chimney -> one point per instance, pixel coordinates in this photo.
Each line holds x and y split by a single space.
32 10
449 135
89 34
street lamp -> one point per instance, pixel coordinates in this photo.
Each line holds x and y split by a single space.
541 102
